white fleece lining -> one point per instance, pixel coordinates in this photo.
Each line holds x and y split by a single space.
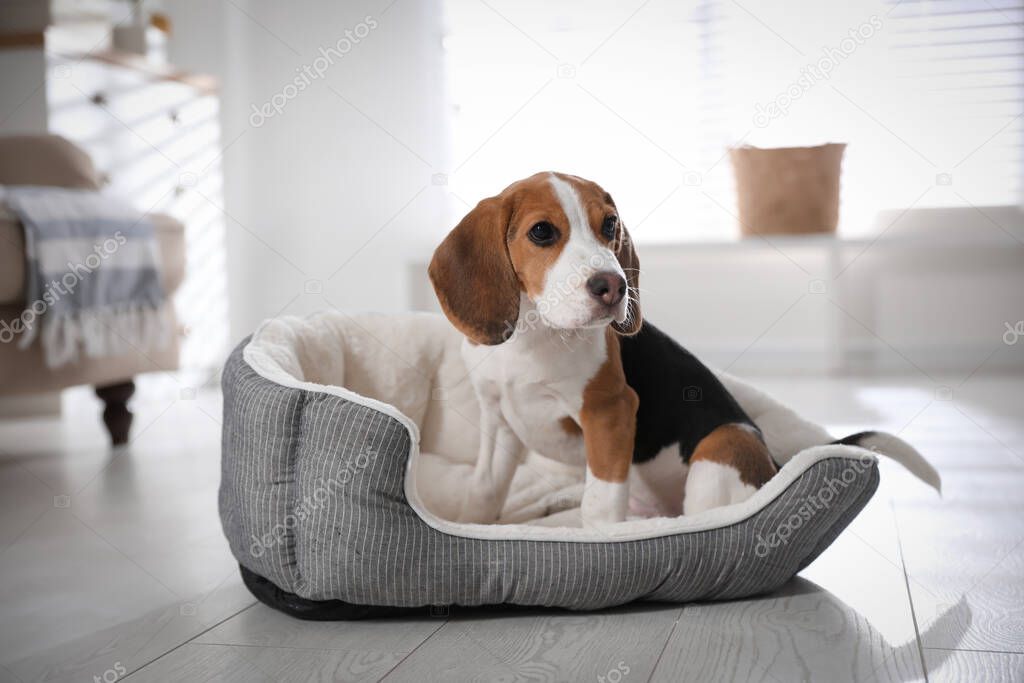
264 365
266 368
638 529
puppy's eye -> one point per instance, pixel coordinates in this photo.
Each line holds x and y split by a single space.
609 226
543 234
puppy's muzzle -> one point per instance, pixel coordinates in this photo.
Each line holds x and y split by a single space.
607 287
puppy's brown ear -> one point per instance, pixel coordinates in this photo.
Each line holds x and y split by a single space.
473 277
626 254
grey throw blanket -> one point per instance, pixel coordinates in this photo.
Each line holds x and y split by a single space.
92 279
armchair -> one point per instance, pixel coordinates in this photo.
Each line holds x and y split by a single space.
52 160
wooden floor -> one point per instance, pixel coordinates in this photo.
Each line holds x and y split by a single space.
112 567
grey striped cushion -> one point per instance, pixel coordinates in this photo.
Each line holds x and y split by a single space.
312 498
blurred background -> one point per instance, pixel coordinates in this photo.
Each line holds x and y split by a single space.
315 155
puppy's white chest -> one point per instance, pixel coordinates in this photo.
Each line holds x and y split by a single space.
536 380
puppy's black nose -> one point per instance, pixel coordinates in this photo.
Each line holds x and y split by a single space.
608 288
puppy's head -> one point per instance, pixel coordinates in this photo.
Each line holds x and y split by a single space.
556 238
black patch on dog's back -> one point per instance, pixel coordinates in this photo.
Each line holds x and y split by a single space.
681 400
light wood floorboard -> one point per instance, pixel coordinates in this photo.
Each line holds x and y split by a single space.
113 563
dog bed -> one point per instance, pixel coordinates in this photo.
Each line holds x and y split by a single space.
347 437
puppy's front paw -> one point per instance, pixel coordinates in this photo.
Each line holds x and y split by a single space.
604 503
599 520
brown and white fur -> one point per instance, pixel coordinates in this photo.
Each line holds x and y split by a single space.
542 280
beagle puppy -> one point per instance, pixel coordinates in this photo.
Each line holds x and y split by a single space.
542 281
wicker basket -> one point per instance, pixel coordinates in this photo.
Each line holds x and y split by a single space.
789 190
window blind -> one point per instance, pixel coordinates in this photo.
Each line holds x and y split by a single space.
646 98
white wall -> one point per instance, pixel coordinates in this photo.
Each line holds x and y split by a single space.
325 184
23 71
322 184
